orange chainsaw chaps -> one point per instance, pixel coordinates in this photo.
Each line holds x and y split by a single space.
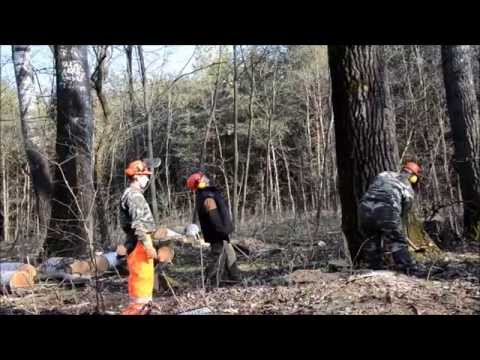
141 275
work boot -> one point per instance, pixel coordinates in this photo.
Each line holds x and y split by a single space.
405 264
234 273
137 309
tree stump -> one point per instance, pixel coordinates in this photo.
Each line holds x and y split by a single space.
419 241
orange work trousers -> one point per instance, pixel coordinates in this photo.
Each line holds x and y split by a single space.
141 275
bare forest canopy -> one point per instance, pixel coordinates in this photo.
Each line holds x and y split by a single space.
260 120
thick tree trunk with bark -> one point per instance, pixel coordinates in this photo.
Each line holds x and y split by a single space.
73 195
364 128
32 131
465 122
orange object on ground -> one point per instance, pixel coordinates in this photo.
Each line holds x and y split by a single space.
21 279
29 269
141 275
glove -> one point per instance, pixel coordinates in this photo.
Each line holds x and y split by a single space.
192 230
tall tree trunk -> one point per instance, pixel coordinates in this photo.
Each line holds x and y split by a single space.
289 183
223 167
135 132
270 111
167 150
71 222
146 106
364 128
278 200
101 202
213 107
32 131
249 141
465 123
4 211
99 76
235 139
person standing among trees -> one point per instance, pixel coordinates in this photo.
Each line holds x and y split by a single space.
137 222
383 215
216 226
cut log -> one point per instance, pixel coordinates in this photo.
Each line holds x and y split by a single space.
165 254
163 234
80 267
15 276
160 233
65 269
29 269
21 280
101 264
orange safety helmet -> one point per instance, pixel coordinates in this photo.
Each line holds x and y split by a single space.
137 167
412 168
194 180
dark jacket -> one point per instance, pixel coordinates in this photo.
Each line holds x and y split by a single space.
216 224
387 201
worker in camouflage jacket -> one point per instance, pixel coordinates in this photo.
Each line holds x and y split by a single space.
137 222
383 215
216 226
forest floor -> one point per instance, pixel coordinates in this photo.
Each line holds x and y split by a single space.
283 274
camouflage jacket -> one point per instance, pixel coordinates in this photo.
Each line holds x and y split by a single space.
393 189
136 218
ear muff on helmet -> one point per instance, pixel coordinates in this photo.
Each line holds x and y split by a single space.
413 179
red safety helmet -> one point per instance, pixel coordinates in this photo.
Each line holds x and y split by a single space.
194 180
412 168
137 167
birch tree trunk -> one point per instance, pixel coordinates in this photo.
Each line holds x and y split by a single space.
32 132
235 139
249 141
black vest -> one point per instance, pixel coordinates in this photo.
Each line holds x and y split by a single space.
209 232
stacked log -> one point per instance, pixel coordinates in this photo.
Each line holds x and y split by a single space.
15 276
77 270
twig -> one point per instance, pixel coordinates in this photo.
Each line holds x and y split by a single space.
171 289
